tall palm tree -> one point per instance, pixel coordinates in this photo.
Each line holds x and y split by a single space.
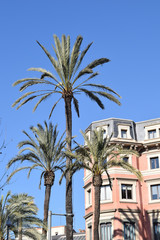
68 82
98 155
22 212
43 152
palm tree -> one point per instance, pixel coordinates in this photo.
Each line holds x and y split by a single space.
70 81
98 155
3 216
43 152
22 212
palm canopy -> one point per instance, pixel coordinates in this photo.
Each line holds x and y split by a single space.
99 154
22 211
19 207
43 151
69 80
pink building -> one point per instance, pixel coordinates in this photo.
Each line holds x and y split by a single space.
132 209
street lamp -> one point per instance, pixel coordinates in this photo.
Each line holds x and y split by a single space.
50 220
8 224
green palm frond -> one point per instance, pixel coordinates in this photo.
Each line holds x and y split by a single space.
54 107
76 105
97 62
44 151
99 154
66 64
102 87
81 57
74 55
93 97
45 73
108 96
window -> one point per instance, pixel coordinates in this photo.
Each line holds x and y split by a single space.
104 129
89 197
90 232
123 133
129 231
156 229
126 159
126 191
106 231
155 191
152 134
105 193
154 162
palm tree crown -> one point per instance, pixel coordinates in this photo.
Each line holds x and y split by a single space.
43 151
22 212
68 84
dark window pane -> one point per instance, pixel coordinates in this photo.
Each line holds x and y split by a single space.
129 231
126 191
154 162
125 159
123 133
106 231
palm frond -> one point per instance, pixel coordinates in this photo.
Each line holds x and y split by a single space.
74 55
81 57
102 87
97 62
108 96
92 97
54 107
42 99
45 73
76 105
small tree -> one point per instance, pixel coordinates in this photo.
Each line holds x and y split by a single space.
98 155
44 153
23 215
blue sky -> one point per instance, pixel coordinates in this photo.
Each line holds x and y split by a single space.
127 32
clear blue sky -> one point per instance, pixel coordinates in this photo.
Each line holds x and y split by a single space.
125 31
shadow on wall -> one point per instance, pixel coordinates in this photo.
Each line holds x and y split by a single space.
142 221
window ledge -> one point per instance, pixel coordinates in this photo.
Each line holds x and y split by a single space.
106 201
128 201
154 201
88 206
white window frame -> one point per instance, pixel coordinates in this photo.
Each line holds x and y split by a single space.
150 183
128 182
88 197
153 155
106 200
129 158
106 183
151 128
126 128
103 127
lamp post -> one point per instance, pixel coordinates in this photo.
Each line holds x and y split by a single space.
8 224
50 220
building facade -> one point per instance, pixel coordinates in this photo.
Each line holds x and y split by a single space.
132 209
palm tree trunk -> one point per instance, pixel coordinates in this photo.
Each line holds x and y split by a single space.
46 208
97 183
69 219
20 229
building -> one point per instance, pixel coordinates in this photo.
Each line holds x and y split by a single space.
58 233
132 209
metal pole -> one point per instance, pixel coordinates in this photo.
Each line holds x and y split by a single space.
49 224
50 221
